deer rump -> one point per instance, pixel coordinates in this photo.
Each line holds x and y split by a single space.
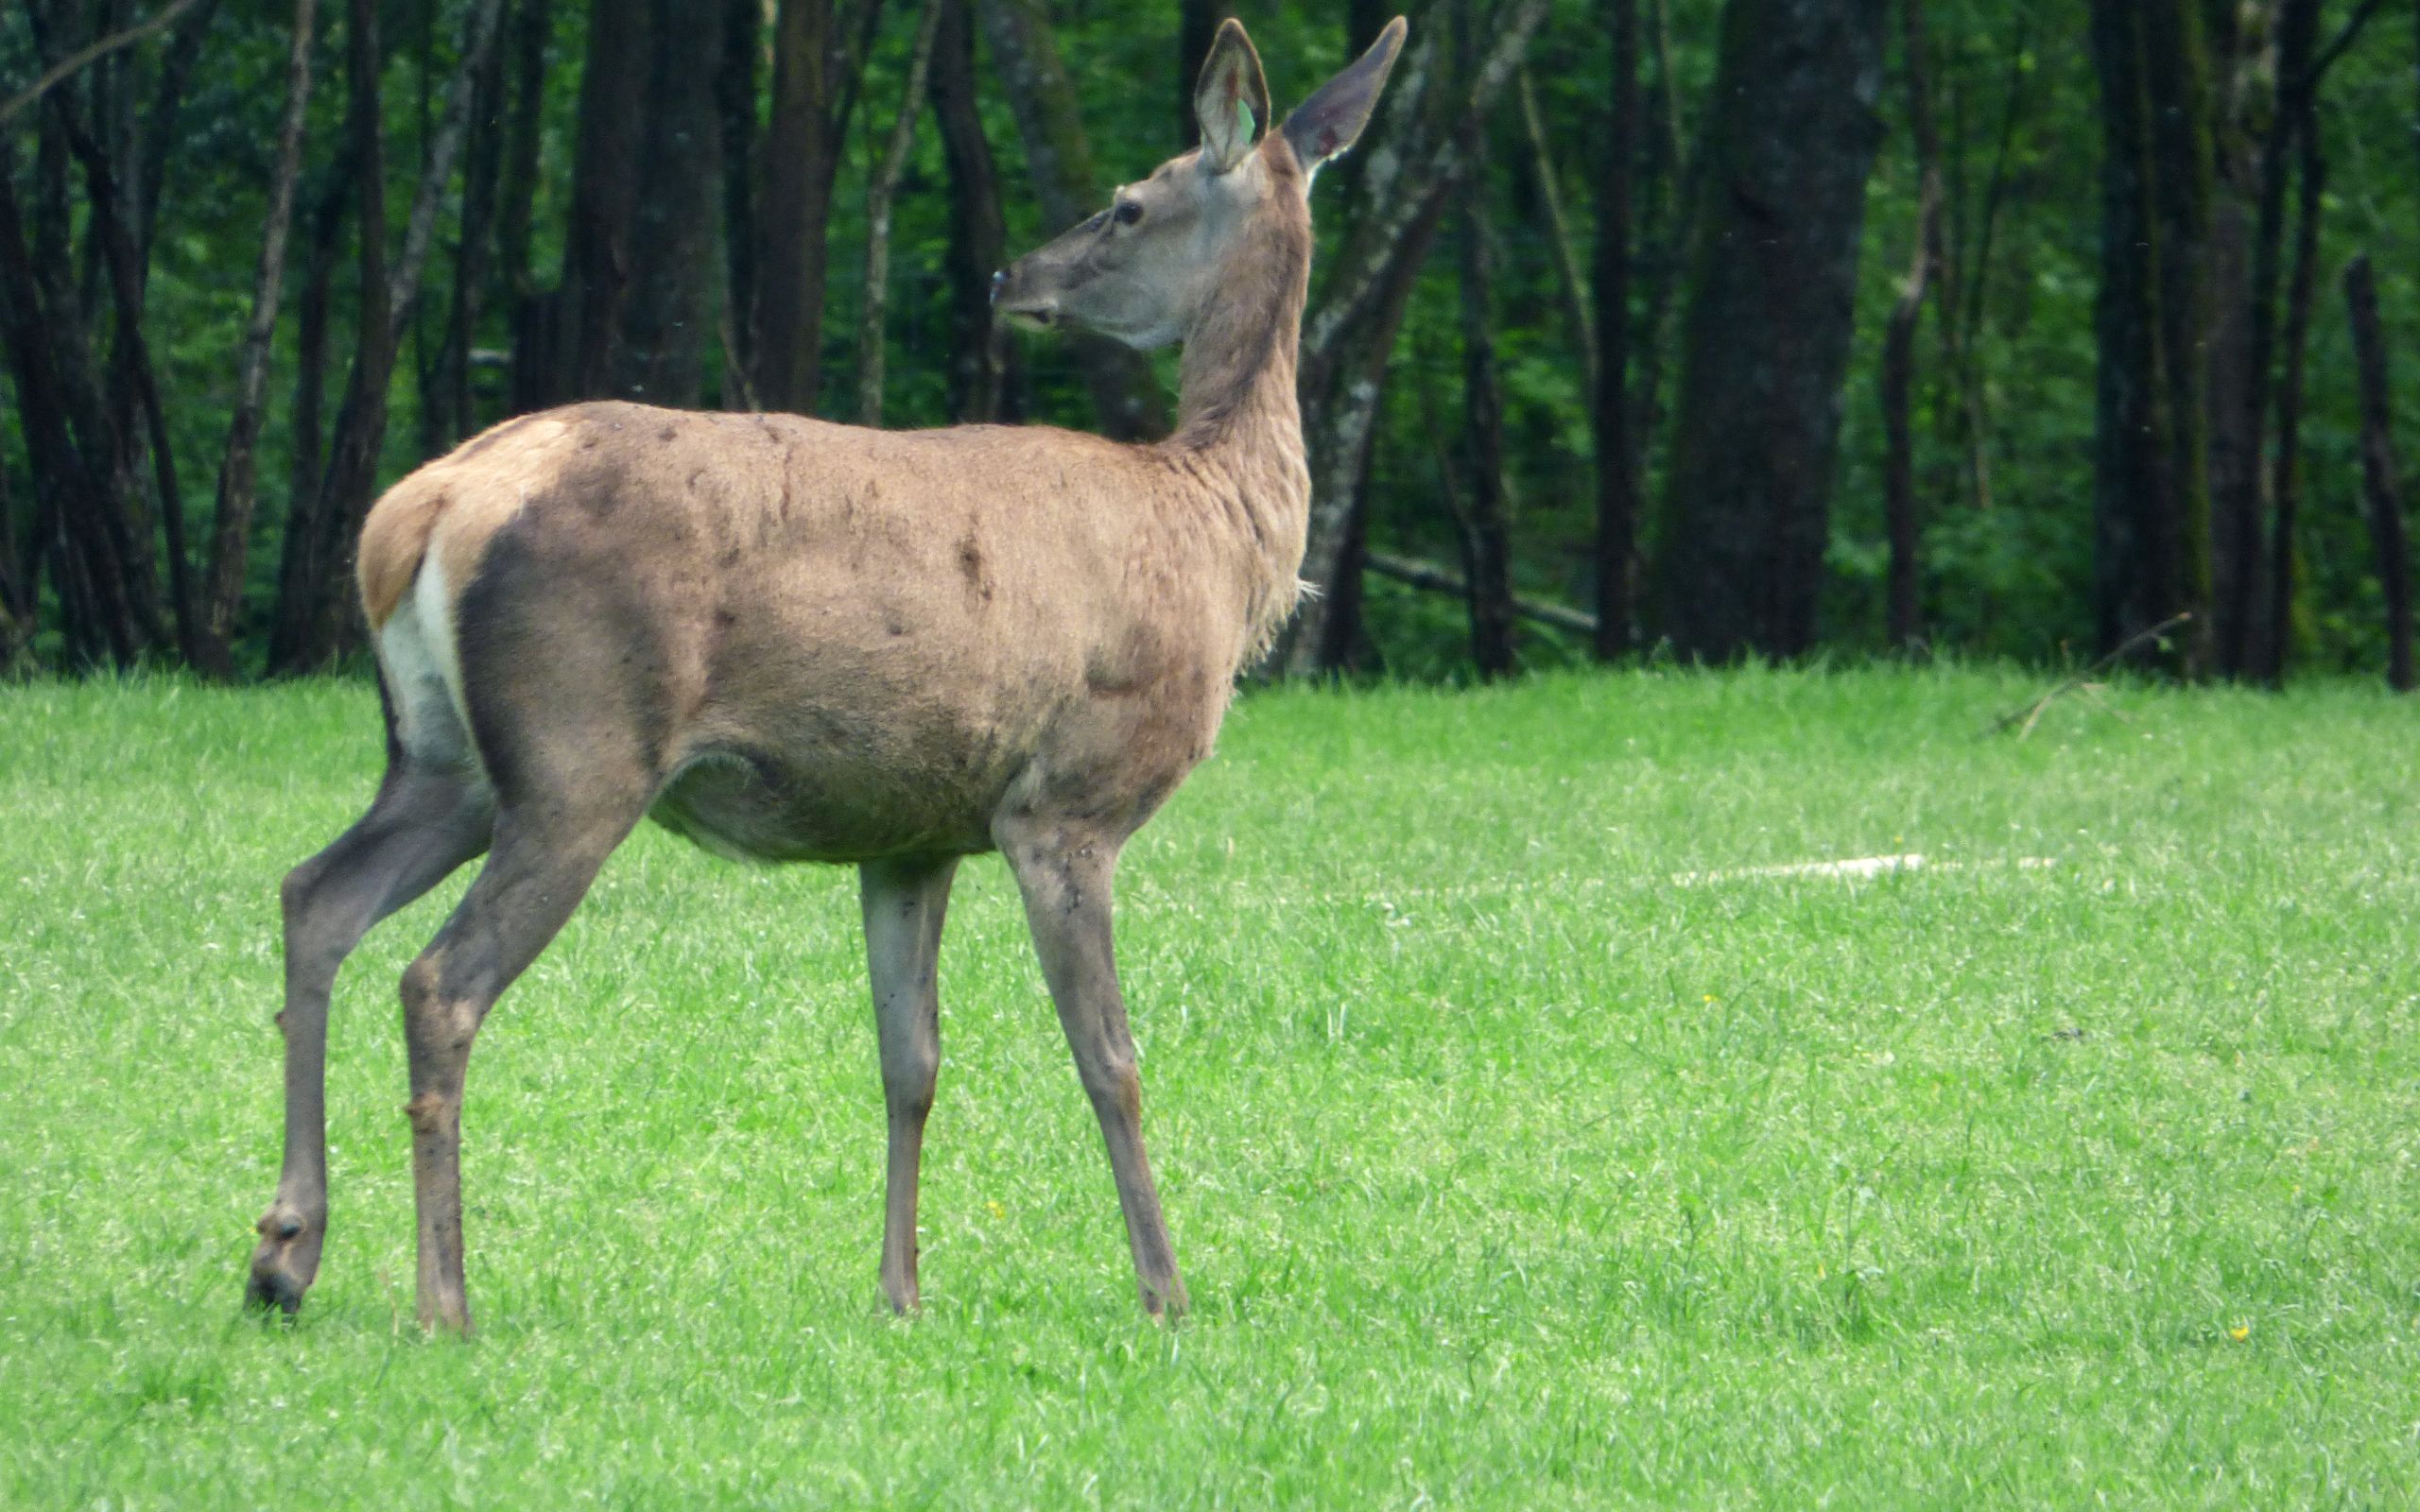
811 641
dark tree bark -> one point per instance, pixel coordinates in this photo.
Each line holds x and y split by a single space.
982 385
531 312
735 97
2151 505
2381 479
1412 163
604 199
445 412
2239 444
313 613
660 355
1619 475
1903 618
880 189
97 608
231 521
1789 142
799 153
308 425
1126 397
2286 478
1487 535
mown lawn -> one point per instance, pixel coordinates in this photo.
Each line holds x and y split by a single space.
1512 1160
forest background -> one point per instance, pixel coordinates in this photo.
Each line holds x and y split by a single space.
1699 328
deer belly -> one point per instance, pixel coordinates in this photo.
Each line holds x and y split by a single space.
751 810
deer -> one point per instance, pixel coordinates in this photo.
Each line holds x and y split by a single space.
792 641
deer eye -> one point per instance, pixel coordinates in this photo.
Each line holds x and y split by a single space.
1128 212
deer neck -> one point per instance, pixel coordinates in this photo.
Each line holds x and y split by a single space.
1238 426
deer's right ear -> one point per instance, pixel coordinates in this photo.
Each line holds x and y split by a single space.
1331 120
1232 100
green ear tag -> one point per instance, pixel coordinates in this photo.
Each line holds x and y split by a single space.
1252 123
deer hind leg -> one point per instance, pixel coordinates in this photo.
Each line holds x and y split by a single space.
1065 873
543 858
905 902
421 826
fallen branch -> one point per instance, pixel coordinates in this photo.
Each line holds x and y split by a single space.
1427 574
2024 719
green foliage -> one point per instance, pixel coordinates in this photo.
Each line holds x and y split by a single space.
1508 1167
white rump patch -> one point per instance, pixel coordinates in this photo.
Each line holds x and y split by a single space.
424 672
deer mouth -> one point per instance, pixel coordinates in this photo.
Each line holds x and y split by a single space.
1032 316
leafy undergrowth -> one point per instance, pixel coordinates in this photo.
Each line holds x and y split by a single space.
1522 1146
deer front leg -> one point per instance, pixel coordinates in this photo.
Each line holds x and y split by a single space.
1065 873
904 902
421 826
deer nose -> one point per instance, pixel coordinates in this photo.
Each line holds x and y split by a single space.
998 278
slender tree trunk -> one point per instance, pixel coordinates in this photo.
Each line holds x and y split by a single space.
1904 620
2242 642
735 96
1487 551
1747 502
2286 485
2151 495
981 387
2381 478
879 192
795 208
309 463
446 412
1411 166
533 313
1125 395
1619 475
660 355
604 195
96 612
230 533
1570 282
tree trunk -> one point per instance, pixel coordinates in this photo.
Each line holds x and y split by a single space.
231 521
660 355
981 387
795 207
1782 185
309 463
1125 395
1487 552
2151 503
446 413
2242 644
605 185
530 313
2381 478
1903 619
735 96
1619 475
879 192
2285 484
311 626
1411 164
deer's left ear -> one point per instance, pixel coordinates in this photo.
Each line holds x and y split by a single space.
1331 120
1232 100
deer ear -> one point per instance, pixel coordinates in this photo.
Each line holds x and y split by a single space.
1331 120
1232 100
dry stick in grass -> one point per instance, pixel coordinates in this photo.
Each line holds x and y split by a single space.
2024 719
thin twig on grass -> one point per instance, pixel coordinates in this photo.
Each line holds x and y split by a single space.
2025 719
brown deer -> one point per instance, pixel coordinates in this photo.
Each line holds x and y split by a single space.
792 641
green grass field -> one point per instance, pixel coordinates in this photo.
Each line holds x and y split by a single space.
1505 1169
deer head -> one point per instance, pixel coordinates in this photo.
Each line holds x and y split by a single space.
1144 269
